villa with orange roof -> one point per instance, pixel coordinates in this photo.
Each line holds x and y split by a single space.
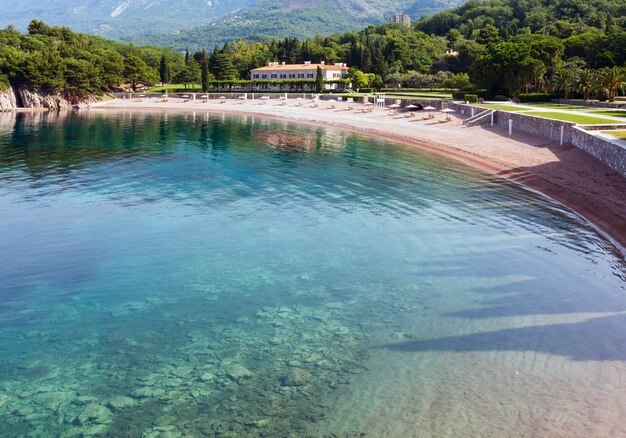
299 72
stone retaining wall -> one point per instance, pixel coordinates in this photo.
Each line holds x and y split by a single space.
610 152
538 126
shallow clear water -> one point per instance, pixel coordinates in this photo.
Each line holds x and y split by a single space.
166 275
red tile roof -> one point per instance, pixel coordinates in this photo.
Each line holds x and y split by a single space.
300 67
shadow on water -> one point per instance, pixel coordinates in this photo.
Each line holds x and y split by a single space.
600 339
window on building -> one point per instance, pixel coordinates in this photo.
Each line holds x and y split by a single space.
255 76
310 75
283 76
264 76
274 76
300 75
292 75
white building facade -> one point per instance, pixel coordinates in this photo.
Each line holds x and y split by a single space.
298 72
402 19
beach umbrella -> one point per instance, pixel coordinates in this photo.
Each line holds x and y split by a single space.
222 97
447 111
242 97
411 107
395 105
265 97
429 109
369 103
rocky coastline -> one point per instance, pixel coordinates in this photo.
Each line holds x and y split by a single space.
12 99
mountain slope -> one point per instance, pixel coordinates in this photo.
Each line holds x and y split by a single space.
269 19
119 18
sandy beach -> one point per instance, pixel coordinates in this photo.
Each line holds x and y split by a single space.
564 173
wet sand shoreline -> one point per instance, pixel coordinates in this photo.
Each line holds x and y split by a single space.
564 173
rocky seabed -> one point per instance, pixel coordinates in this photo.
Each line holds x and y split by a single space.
11 99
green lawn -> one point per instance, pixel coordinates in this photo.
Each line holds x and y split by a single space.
556 106
502 107
173 88
418 96
605 112
618 134
583 120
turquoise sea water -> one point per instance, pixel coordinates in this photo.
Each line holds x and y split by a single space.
169 275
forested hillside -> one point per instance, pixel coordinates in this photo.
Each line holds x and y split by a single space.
54 59
569 47
270 19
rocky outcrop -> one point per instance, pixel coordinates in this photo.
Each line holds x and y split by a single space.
55 102
7 99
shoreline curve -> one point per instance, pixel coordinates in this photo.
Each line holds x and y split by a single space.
565 174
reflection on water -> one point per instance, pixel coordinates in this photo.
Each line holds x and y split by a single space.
202 275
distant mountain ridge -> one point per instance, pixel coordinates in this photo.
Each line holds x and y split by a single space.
269 19
205 23
120 18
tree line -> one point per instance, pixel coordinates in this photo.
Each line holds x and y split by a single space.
539 46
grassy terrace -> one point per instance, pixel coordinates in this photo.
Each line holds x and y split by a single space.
617 134
504 107
575 118
605 112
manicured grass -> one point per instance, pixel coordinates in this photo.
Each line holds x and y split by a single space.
173 88
509 108
418 96
618 134
605 112
556 106
583 120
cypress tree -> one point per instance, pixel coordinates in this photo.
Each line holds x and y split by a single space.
204 70
165 72
319 80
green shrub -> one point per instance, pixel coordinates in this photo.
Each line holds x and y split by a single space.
538 97
501 98
471 98
366 90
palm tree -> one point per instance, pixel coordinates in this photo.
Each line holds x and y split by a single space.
587 82
565 80
611 80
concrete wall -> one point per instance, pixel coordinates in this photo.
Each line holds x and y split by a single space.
610 152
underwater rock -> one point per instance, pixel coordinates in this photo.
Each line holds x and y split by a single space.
183 371
3 399
95 414
40 371
162 432
148 391
85 431
297 377
237 372
121 402
53 400
83 400
259 423
164 421
207 377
